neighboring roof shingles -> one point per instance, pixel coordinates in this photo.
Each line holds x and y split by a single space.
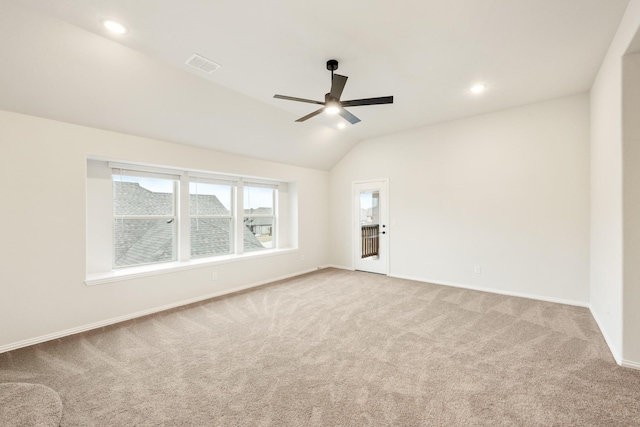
203 204
131 199
145 241
259 220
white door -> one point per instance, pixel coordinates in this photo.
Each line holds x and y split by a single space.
371 229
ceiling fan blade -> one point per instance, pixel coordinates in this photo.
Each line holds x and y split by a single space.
308 116
337 86
291 98
368 101
348 116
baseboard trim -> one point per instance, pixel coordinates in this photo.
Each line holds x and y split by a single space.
630 364
114 320
496 291
607 340
340 267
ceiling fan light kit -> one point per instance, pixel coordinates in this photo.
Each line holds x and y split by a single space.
332 107
332 103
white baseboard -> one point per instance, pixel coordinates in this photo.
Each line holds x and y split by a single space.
341 267
497 291
107 322
612 349
619 360
630 364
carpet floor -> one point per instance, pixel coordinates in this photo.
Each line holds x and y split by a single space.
340 348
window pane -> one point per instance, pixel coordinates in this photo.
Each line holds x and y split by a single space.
258 233
209 199
142 196
211 236
369 209
258 201
143 241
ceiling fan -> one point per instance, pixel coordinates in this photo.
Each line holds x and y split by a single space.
332 103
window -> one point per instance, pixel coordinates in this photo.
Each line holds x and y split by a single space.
211 212
144 218
259 216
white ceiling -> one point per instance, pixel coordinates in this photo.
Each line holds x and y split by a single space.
57 61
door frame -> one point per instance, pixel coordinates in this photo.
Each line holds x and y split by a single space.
355 220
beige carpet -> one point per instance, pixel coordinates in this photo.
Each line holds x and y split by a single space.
340 348
29 405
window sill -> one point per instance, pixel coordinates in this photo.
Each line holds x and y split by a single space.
171 267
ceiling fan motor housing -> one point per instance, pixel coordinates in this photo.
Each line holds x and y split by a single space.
328 98
332 103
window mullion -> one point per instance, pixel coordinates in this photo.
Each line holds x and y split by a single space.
239 218
184 222
274 223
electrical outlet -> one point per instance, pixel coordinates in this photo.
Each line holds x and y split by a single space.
302 257
477 269
214 276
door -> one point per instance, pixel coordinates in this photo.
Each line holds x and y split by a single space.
370 231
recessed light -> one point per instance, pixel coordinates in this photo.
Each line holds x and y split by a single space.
341 126
114 26
479 88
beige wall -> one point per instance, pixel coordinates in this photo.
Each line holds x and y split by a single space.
508 191
607 234
505 191
631 213
42 220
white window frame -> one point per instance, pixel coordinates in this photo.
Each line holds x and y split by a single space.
122 170
274 216
100 220
198 178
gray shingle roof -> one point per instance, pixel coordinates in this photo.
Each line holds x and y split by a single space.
203 204
131 199
145 241
210 237
259 221
142 241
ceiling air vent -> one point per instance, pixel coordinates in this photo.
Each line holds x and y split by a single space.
202 63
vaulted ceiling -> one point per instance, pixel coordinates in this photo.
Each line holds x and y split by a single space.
58 61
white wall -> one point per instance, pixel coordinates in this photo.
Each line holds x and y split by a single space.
606 266
631 208
42 223
92 79
508 191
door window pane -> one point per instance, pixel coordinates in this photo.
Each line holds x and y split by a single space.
369 209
